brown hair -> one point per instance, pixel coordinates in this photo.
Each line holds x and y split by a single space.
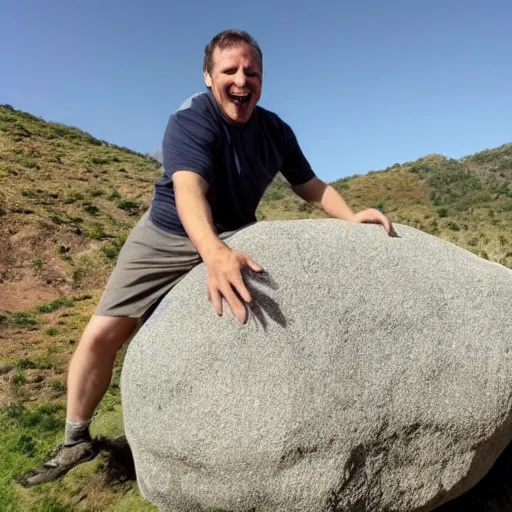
227 39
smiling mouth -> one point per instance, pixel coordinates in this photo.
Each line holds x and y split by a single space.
240 99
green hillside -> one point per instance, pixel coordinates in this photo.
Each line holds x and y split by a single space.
467 201
67 203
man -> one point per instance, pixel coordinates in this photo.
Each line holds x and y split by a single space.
220 152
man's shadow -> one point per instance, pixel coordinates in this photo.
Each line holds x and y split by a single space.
118 465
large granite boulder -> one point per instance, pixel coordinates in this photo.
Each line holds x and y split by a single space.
374 374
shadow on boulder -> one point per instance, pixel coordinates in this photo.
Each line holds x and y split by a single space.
492 494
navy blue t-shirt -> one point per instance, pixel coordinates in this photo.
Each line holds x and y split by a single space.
238 162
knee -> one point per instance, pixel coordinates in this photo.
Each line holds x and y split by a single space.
106 338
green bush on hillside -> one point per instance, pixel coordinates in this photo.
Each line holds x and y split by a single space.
129 206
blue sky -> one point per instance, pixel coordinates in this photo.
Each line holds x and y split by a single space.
364 84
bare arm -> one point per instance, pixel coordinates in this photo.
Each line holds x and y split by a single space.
224 265
195 213
325 197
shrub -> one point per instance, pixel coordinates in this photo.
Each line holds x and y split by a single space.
54 505
37 363
19 132
54 305
26 445
341 185
100 161
91 208
23 319
73 197
111 251
25 363
306 207
128 205
30 192
80 298
114 195
273 195
501 189
46 417
12 411
27 162
96 231
58 386
484 157
422 168
17 381
381 205
57 217
95 192
453 226
61 249
442 212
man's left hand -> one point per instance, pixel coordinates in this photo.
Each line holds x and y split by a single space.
374 216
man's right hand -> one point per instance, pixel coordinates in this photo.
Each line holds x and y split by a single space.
224 265
225 278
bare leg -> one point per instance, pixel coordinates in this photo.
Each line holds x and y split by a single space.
90 372
90 369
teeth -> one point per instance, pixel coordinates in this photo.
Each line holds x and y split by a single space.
240 99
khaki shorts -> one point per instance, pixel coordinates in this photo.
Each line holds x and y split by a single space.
150 263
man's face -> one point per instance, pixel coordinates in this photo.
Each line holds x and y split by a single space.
235 81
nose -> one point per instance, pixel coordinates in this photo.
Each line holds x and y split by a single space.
240 78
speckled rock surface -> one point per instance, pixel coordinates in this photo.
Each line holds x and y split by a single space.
374 374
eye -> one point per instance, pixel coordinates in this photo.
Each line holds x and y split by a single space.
251 73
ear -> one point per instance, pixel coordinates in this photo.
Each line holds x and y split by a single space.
207 79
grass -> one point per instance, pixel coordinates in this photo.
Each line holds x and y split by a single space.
111 251
58 386
26 436
36 363
91 208
26 319
55 305
129 205
18 380
96 231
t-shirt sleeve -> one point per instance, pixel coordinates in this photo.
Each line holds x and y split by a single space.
188 144
296 168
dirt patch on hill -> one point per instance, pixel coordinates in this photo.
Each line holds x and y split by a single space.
24 294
